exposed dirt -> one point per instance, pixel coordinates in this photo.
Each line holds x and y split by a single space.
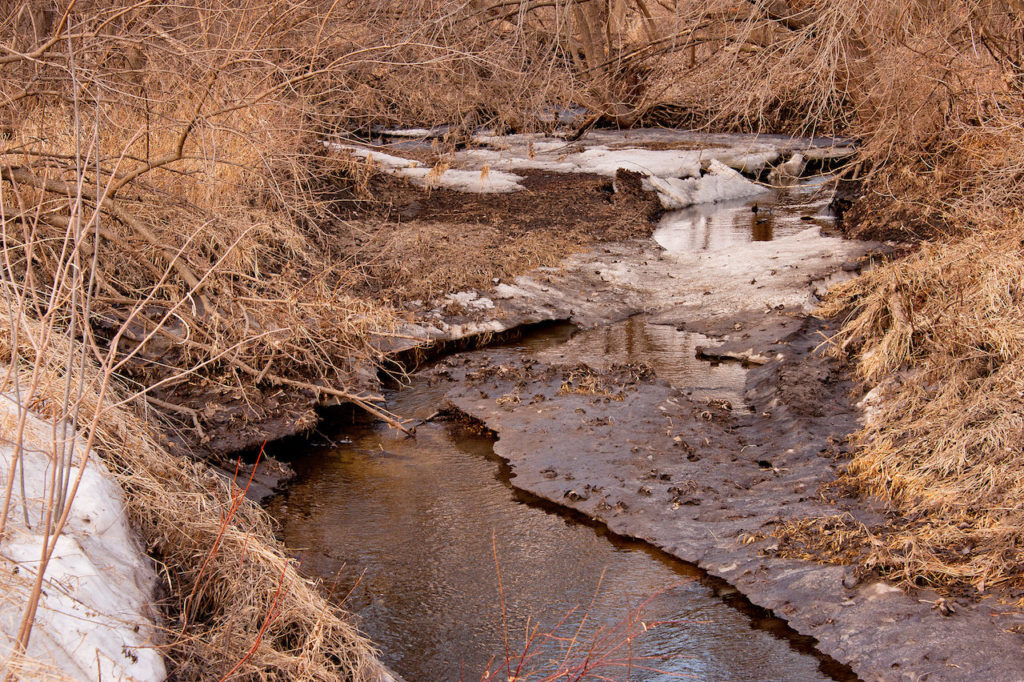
415 243
868 215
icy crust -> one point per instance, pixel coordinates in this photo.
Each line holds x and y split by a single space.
558 157
724 225
480 181
95 620
685 168
721 183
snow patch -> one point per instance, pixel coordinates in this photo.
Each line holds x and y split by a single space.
95 620
655 162
472 181
677 160
507 291
415 133
788 172
470 299
482 181
559 157
721 183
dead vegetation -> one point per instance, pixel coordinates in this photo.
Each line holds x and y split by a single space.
173 154
159 228
941 335
234 607
436 242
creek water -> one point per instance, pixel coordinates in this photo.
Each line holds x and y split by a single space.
450 569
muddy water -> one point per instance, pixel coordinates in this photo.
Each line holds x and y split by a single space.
671 353
414 532
772 215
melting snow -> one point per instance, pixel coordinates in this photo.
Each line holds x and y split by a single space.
94 620
470 299
721 183
673 167
481 181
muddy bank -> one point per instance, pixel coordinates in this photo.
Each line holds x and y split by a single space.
613 281
710 484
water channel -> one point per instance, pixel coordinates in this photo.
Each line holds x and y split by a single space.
450 569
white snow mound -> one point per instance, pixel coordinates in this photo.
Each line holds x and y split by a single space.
475 181
95 620
721 183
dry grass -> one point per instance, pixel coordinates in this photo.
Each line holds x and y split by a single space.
157 204
183 142
235 603
932 92
426 261
942 336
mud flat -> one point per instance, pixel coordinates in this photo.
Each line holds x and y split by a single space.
709 485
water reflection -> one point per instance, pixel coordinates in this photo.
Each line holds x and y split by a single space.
404 527
783 212
672 354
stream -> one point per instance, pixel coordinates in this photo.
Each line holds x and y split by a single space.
454 573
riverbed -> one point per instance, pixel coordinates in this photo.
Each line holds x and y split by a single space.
413 534
693 410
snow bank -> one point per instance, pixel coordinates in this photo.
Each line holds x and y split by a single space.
95 620
475 181
721 183
663 163
548 154
414 133
788 172
782 212
671 159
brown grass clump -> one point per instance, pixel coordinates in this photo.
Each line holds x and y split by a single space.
427 260
942 336
455 241
183 143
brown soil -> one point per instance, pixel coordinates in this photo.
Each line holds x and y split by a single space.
869 216
414 243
